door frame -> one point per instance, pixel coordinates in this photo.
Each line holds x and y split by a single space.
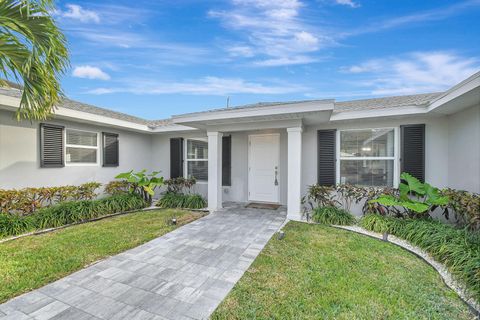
249 159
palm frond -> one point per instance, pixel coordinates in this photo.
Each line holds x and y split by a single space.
33 52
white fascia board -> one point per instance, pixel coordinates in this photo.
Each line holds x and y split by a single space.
375 113
456 91
172 128
255 111
99 119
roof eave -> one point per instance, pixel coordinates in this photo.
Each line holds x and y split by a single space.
259 112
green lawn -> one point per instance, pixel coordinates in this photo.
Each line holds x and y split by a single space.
318 272
34 261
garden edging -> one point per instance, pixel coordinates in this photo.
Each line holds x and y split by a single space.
440 268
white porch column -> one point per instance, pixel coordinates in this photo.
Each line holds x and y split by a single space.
294 210
214 170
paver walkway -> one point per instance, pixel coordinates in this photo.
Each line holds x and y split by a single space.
184 274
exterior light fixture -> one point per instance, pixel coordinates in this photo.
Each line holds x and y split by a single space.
280 235
174 221
385 236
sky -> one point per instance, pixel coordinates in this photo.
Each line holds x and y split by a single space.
154 59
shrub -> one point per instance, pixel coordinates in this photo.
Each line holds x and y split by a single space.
458 249
180 200
180 184
117 187
68 212
28 200
464 206
320 196
142 183
332 215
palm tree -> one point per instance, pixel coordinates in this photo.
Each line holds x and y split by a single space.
33 52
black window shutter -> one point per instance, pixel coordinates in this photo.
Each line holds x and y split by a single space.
110 149
176 157
227 161
413 150
51 146
326 157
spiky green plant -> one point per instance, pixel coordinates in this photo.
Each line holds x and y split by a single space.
332 215
69 212
33 52
458 249
180 200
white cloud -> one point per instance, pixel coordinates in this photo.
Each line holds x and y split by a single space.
349 3
275 62
414 73
90 72
240 51
76 12
205 86
273 30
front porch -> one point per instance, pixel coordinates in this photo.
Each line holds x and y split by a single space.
265 168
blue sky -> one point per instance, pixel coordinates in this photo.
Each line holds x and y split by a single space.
154 59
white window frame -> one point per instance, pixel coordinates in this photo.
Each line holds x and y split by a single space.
81 164
395 158
186 160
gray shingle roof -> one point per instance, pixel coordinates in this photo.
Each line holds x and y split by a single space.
387 102
80 106
257 105
342 106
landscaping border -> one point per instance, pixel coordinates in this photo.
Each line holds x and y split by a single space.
43 231
446 276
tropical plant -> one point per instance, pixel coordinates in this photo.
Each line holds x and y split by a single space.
464 207
457 248
349 194
332 215
28 200
69 212
414 197
142 183
180 184
33 52
320 196
117 187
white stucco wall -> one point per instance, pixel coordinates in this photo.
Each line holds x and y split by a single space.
464 150
452 153
238 191
20 156
436 145
160 155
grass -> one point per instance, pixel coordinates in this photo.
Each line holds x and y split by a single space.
31 262
319 272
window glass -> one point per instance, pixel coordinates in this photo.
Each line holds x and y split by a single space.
358 152
197 159
198 169
374 173
367 143
82 138
81 155
197 149
81 147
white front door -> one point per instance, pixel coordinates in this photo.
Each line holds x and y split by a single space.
263 167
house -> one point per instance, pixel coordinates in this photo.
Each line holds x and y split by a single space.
267 152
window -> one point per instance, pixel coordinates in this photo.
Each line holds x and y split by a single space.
81 147
197 159
368 157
